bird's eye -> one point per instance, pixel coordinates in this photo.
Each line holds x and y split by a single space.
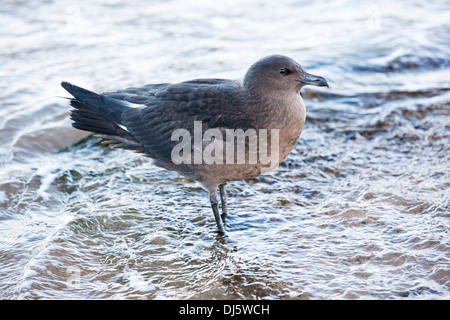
284 71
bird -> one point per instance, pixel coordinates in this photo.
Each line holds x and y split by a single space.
152 119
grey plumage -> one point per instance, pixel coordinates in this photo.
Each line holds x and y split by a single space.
143 119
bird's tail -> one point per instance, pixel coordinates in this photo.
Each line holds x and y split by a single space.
100 114
109 108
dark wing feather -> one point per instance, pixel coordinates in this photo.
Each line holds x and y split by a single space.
141 95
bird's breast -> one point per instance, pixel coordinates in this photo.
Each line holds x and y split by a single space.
290 122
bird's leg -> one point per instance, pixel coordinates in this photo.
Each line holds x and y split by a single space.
214 202
223 198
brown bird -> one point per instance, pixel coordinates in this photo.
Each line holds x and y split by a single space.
212 116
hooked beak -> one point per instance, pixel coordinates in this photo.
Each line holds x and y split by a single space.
313 80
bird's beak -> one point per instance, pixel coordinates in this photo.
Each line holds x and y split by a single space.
313 80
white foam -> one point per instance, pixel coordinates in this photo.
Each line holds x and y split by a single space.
2 196
137 281
46 181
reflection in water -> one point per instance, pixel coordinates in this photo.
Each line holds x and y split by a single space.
360 209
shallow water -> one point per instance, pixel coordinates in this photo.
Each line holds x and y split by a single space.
359 210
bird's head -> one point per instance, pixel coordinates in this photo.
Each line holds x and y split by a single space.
280 73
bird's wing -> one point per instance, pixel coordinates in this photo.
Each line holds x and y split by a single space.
138 95
216 103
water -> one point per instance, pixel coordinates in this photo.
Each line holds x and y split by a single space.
359 210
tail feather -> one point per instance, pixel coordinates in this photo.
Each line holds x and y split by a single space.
85 119
94 113
109 108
